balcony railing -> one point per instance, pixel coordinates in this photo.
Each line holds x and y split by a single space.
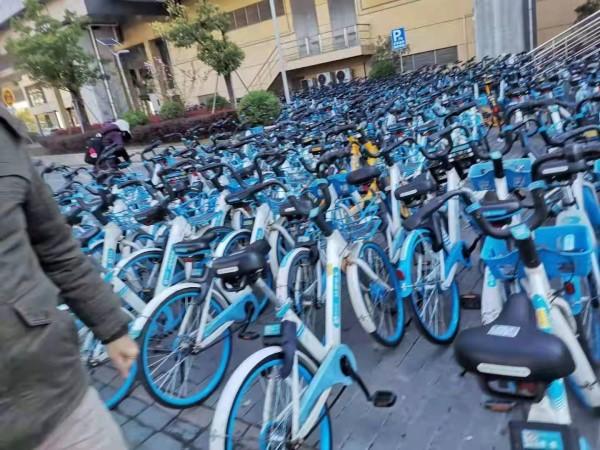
329 41
294 49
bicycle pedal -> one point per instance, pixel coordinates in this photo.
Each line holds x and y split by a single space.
470 301
248 335
383 399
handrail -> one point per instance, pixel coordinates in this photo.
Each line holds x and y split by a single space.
260 69
562 47
584 32
567 31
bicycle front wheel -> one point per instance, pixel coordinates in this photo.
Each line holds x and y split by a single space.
174 372
437 311
375 294
255 410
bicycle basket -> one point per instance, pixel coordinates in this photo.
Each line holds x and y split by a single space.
354 223
124 219
565 250
517 171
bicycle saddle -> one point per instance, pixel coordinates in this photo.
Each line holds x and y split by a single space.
192 247
416 188
513 346
287 209
87 236
152 215
249 261
364 175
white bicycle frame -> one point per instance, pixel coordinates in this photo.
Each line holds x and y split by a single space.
311 400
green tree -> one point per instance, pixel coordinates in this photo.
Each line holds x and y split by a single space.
48 50
204 26
587 9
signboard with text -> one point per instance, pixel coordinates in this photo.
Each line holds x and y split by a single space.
398 37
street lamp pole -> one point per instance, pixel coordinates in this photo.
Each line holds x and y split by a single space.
286 89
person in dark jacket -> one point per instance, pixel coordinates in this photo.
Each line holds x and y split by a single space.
117 133
46 402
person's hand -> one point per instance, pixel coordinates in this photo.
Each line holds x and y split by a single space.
123 352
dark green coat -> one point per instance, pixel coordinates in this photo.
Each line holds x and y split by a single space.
41 376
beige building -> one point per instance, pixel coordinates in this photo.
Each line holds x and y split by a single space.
321 39
330 37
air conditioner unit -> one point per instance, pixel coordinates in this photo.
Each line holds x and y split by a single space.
343 75
324 79
308 83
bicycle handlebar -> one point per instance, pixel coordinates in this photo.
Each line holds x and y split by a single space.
316 211
533 222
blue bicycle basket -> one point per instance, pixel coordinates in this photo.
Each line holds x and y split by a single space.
565 250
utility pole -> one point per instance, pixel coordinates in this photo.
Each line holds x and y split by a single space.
286 89
111 100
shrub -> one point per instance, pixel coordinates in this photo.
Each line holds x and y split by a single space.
220 103
382 69
143 134
136 118
172 109
259 108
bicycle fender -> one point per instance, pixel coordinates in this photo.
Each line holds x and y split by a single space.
219 251
408 248
152 305
141 251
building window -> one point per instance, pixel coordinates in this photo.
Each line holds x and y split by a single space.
35 95
240 17
440 56
47 122
254 13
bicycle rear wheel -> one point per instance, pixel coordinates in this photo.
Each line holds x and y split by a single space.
255 411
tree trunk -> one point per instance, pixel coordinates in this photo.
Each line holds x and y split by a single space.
80 109
230 93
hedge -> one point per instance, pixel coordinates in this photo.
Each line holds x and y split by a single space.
143 134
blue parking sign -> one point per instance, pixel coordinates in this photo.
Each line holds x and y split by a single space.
398 37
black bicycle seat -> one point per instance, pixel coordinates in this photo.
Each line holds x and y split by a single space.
287 209
416 188
194 247
363 175
152 215
512 346
249 261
